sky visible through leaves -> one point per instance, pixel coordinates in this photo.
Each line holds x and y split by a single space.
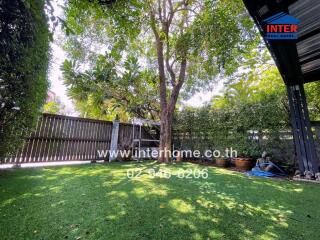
59 55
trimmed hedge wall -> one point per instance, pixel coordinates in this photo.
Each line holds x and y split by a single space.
24 56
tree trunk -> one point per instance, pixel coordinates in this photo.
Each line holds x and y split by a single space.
163 127
167 112
167 101
165 136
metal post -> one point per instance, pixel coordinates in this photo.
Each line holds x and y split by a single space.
114 141
302 133
133 138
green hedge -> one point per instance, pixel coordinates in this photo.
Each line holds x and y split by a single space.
24 54
248 128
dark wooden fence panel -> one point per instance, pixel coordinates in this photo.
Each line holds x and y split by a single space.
62 138
126 134
284 151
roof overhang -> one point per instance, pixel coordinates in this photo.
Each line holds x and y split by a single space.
298 60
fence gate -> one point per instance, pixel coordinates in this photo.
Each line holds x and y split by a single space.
62 138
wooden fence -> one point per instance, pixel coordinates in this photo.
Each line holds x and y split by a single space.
63 138
284 150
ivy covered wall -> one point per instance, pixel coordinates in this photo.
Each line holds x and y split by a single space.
24 54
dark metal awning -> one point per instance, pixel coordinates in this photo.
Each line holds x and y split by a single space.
298 60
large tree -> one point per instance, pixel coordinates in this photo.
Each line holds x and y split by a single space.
188 42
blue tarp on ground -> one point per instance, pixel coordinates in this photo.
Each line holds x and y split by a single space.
257 171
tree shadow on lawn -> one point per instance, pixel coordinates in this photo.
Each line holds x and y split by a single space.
101 202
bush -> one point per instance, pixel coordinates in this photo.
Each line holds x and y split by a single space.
24 53
249 128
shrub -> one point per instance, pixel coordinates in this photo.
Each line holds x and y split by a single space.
249 128
24 53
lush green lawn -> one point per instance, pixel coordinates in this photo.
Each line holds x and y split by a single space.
101 202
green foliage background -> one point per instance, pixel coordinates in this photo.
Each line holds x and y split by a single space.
51 107
249 116
105 40
24 54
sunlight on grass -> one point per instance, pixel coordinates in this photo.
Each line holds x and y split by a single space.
94 201
180 206
115 194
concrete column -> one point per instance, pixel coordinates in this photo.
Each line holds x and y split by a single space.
114 140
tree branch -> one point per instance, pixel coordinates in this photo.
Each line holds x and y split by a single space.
162 77
178 86
170 70
160 10
153 24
